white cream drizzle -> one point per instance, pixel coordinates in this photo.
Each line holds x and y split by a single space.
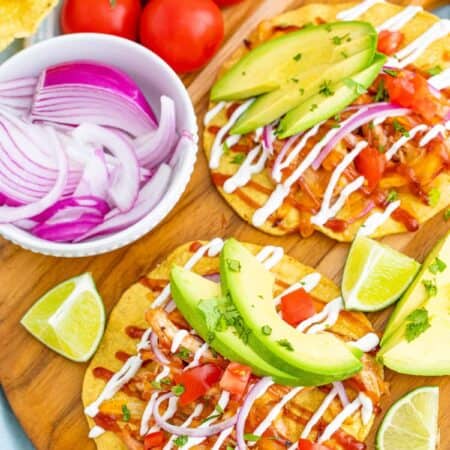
197 355
325 317
367 343
222 438
366 408
326 211
249 167
178 339
395 113
341 392
217 148
355 12
209 116
433 133
96 432
308 283
270 256
403 140
232 140
212 248
258 134
377 219
398 21
221 406
411 52
168 414
441 80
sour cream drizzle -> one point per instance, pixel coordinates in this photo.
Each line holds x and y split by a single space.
367 343
222 438
433 133
398 21
411 52
178 339
441 80
250 166
217 148
197 355
328 316
353 13
308 283
270 256
377 219
209 116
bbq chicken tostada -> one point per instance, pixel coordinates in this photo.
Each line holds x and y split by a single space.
180 365
331 117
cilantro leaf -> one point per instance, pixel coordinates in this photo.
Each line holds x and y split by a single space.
437 266
436 70
417 323
126 414
180 441
392 73
251 437
357 87
400 128
238 159
210 310
430 287
325 89
178 390
286 344
434 196
234 265
184 353
447 214
298 57
266 330
382 93
392 196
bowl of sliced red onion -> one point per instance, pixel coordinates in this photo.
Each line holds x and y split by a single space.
98 141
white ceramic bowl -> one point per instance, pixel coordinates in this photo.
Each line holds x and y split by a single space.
155 78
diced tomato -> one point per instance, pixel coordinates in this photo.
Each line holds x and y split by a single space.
197 381
297 307
371 164
305 444
389 42
411 90
154 440
235 378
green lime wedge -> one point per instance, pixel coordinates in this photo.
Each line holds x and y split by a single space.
412 422
69 319
375 276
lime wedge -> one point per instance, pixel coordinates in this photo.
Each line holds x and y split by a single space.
375 276
412 422
69 319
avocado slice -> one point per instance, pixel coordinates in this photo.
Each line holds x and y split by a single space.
315 359
319 108
319 78
189 291
416 295
272 63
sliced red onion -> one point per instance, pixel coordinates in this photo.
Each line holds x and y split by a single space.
124 187
18 84
12 214
276 171
200 432
95 178
22 103
159 355
148 198
268 138
360 119
214 277
370 205
156 146
256 391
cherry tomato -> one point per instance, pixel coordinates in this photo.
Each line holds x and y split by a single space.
154 440
297 307
186 34
227 2
305 444
389 42
371 163
197 382
118 17
235 378
411 90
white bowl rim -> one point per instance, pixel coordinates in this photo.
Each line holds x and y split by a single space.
157 215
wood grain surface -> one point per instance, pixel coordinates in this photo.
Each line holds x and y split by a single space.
44 388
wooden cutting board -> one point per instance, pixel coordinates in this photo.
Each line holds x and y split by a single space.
44 388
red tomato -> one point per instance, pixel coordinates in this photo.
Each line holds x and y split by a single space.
389 42
227 2
197 381
235 378
371 163
119 17
411 90
305 444
297 307
154 440
186 34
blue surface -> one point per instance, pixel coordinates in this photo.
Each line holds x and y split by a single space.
11 434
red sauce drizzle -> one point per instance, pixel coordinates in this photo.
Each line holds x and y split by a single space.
348 442
404 217
153 284
134 332
337 225
213 129
102 373
123 356
195 246
219 178
107 422
286 28
232 109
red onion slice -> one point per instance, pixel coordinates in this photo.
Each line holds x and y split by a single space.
95 178
268 138
276 171
200 432
124 187
18 84
214 277
159 355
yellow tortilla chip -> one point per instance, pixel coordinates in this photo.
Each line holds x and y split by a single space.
21 18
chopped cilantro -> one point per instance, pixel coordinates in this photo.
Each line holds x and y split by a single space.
178 390
382 93
325 89
400 128
184 353
234 265
436 70
328 27
230 448
156 384
437 266
337 117
302 91
392 73
313 107
295 80
212 417
430 287
381 148
338 40
335 125
286 344
266 330
447 214
244 73
126 415
166 381
251 437
417 323
219 409
210 310
238 159
344 54
434 196
180 441
392 196
357 87
226 149
298 57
